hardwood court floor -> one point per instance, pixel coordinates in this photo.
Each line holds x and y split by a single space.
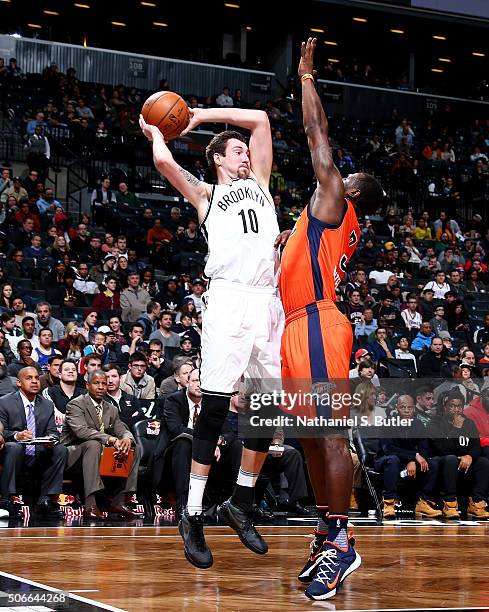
143 568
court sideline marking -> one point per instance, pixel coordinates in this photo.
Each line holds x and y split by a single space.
92 602
231 535
459 609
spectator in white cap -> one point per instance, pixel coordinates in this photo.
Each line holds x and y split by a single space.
100 272
198 288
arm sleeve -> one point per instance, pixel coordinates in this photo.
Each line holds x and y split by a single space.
120 429
75 419
390 447
8 434
474 447
51 429
172 418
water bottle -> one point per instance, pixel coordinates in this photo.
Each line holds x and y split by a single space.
403 474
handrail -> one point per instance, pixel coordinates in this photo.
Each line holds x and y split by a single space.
393 90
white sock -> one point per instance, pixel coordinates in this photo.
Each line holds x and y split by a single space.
246 479
196 493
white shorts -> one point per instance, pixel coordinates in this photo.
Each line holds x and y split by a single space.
241 333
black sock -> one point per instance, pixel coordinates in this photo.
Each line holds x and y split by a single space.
243 497
337 530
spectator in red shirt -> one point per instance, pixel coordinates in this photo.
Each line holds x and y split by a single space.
24 213
110 298
158 234
478 411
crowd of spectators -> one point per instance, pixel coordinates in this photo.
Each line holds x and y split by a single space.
100 304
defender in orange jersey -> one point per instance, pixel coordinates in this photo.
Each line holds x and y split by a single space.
317 341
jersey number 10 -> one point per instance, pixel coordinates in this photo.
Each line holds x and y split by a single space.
253 220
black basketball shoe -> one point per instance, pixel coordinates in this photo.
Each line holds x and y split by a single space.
191 529
243 525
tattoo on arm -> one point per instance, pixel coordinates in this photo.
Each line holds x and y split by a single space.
190 178
321 155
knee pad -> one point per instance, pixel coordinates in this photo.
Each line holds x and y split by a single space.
208 427
259 445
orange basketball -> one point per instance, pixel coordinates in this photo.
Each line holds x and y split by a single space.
168 111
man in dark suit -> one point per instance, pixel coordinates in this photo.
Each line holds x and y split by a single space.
128 405
25 415
90 424
174 446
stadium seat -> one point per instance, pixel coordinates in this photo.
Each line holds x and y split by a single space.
146 434
36 295
22 284
372 478
401 368
106 314
77 313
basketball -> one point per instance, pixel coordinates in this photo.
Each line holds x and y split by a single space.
168 111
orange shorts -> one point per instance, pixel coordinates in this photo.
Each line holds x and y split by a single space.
316 348
317 343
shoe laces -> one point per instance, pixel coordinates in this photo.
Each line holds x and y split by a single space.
315 544
329 566
248 524
197 529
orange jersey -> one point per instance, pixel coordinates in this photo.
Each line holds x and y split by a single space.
315 258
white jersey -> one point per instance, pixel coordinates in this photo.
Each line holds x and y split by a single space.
240 227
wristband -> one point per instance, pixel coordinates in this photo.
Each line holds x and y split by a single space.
306 76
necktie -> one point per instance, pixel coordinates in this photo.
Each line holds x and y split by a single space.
195 415
30 449
100 411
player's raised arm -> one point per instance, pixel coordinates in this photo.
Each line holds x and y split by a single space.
197 192
261 152
328 205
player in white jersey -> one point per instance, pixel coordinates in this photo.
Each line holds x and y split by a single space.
243 317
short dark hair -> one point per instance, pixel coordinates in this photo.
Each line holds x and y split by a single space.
366 363
138 356
151 306
28 318
165 313
156 341
95 356
54 357
218 145
6 316
423 389
371 192
140 325
72 361
112 366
